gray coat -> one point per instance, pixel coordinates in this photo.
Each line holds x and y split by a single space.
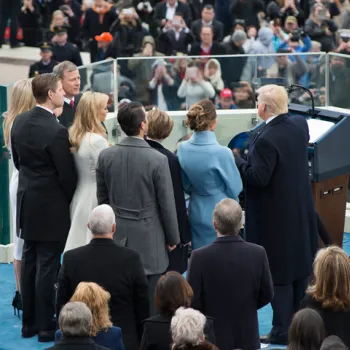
134 179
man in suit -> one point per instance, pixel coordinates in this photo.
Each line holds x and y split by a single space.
208 18
76 322
47 181
207 46
10 10
117 269
165 11
69 74
135 180
46 64
280 213
231 280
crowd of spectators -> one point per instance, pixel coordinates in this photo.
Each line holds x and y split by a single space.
138 33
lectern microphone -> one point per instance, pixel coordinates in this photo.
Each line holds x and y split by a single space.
295 87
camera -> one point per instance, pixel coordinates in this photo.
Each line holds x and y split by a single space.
296 35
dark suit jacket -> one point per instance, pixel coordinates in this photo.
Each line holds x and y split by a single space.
231 280
160 12
218 29
178 257
157 333
76 344
216 49
280 212
47 176
170 46
335 322
120 272
67 116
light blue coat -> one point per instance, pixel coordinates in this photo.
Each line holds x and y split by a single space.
209 174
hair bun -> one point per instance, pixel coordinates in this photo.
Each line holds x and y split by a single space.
195 117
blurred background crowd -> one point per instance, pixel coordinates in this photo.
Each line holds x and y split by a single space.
143 34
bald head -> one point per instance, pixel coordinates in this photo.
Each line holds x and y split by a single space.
227 217
272 100
102 221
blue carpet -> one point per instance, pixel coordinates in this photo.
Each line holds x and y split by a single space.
10 325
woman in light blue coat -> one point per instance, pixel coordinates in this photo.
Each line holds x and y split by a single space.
209 172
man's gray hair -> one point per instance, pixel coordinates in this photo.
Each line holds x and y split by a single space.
228 217
75 320
65 66
187 327
101 220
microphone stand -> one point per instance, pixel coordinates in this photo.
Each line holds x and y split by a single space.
295 87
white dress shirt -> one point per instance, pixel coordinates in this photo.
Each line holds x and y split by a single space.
270 119
46 109
170 11
67 100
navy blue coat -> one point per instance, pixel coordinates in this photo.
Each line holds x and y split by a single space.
280 212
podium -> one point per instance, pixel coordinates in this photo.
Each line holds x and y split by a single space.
329 165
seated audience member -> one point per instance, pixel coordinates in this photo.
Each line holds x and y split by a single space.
187 330
172 292
46 64
306 331
118 269
243 95
104 46
226 100
330 293
102 330
333 342
208 18
75 324
215 288
160 126
212 72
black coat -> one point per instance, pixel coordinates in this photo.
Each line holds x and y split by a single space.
160 12
68 52
76 344
280 212
231 280
118 270
218 29
157 333
67 116
40 68
170 46
178 257
216 49
335 322
47 176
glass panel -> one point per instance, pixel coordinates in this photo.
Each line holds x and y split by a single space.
100 77
338 80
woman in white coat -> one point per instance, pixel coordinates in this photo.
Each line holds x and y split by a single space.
88 138
22 100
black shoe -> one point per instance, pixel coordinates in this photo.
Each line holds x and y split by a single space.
17 303
268 339
28 332
46 336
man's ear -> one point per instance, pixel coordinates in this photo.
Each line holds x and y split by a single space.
214 225
114 227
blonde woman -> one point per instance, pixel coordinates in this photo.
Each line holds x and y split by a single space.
22 100
102 331
330 292
88 138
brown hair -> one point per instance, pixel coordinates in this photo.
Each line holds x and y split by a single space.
172 291
160 124
201 115
332 279
97 299
42 84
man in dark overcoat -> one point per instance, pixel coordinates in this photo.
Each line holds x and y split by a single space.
47 181
280 213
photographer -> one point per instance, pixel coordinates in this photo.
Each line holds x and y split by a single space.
145 12
344 43
321 28
297 40
128 32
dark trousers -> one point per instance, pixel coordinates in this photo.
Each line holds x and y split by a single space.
152 282
40 264
285 303
9 10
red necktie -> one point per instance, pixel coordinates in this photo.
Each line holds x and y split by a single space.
71 103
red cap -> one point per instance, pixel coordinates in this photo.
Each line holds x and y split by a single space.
226 93
104 37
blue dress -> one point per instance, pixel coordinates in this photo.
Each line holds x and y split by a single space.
112 339
209 174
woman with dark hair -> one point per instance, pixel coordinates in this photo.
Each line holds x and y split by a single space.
172 291
330 293
306 331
